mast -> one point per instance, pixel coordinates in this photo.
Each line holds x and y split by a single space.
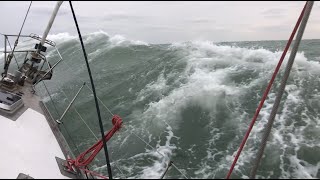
36 56
46 32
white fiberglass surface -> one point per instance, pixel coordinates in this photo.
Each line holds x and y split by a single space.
28 146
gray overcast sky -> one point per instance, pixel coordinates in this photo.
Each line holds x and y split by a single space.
163 22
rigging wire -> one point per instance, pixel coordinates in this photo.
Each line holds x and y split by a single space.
87 126
8 60
16 43
12 54
265 94
107 107
281 89
51 99
57 112
123 126
94 94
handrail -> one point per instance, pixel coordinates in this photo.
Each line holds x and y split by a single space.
72 101
33 36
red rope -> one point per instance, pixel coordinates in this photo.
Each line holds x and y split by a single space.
81 160
265 93
94 173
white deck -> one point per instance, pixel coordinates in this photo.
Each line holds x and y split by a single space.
28 146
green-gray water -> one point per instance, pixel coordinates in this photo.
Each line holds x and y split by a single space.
193 102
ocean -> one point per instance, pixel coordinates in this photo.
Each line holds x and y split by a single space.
191 101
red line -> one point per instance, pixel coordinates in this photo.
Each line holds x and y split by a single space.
265 93
94 173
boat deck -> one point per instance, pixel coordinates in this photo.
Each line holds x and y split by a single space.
29 147
28 144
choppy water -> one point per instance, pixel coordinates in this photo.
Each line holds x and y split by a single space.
193 102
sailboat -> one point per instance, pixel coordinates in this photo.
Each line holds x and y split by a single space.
37 148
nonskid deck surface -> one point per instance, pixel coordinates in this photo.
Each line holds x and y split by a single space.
28 146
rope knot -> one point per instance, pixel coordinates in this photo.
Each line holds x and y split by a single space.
117 122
